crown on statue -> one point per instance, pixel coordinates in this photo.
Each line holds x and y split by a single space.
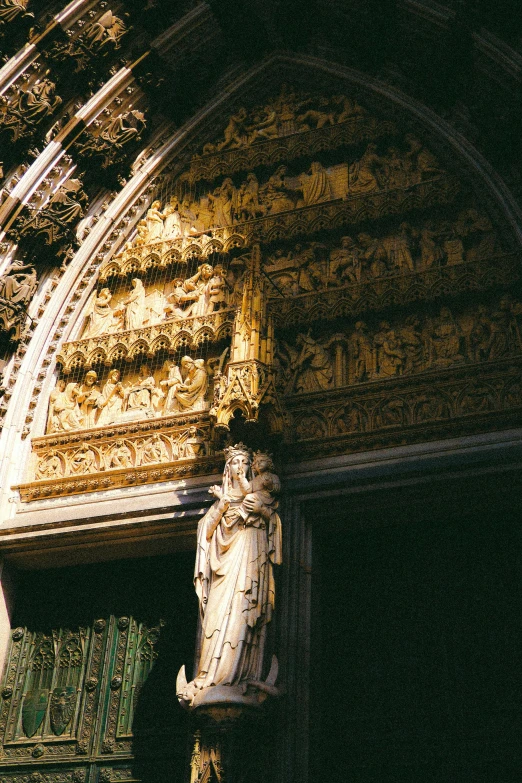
239 449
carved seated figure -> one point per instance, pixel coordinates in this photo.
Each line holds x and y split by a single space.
193 445
99 316
190 395
19 283
142 396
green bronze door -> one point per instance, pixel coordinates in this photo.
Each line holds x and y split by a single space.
92 699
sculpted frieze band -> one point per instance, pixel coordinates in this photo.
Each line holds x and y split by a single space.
92 457
200 295
410 345
233 203
144 395
316 266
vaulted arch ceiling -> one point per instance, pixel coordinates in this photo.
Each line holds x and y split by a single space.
101 98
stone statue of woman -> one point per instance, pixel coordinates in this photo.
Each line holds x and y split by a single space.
239 542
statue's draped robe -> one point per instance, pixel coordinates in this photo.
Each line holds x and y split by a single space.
235 584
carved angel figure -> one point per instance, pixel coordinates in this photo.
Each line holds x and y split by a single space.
239 542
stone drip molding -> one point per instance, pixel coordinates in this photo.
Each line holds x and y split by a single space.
112 230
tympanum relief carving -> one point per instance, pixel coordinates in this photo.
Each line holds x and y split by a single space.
232 294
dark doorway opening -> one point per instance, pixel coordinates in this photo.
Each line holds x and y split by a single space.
417 636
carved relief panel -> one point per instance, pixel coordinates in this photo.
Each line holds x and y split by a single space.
305 210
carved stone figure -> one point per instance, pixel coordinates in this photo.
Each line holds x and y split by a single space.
372 257
56 219
135 306
312 367
190 395
446 339
505 336
184 293
144 394
109 142
99 315
431 252
413 344
105 32
66 413
154 222
239 542
50 466
193 445
87 398
218 289
350 420
363 174
170 384
399 250
390 354
110 402
224 200
26 108
316 186
235 132
317 118
423 164
119 456
123 128
202 289
344 262
84 460
19 283
153 451
361 353
172 226
53 420
276 196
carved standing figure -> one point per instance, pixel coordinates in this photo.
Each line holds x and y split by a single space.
154 222
239 542
110 402
135 306
313 366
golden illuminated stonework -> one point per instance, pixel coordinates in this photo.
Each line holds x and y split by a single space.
279 273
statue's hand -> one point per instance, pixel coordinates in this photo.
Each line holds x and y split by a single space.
223 504
215 490
254 506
